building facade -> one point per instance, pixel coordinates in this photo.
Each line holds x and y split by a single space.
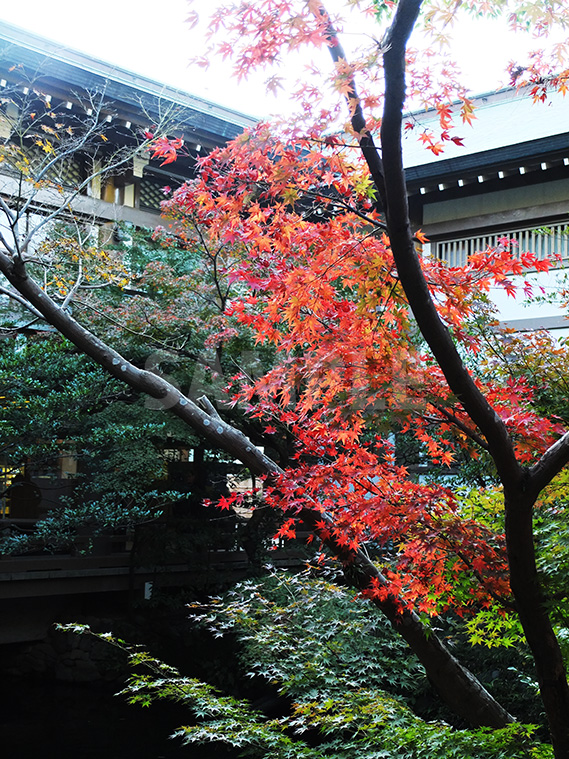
509 179
70 129
77 88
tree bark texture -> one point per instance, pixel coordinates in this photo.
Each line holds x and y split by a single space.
532 611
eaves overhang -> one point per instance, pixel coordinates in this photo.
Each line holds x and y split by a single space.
54 63
520 154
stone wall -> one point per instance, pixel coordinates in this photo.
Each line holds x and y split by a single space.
66 657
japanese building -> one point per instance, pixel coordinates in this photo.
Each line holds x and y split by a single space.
76 85
509 179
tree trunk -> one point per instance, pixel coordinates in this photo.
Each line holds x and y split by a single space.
531 608
521 486
456 685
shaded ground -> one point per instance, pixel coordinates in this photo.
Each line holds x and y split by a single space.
40 720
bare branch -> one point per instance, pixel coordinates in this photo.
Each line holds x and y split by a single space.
68 199
8 211
6 245
13 295
75 287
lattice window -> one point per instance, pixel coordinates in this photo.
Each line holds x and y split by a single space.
151 194
68 172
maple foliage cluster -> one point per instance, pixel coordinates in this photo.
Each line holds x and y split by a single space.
313 277
294 253
260 36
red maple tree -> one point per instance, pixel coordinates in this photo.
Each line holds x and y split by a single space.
369 337
483 413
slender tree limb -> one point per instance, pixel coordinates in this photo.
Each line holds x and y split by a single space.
76 285
363 135
550 464
22 301
339 202
472 434
153 341
10 214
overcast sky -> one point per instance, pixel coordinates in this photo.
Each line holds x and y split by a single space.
154 40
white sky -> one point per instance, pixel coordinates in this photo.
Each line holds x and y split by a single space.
153 39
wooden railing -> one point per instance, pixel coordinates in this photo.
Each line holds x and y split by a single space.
109 563
549 241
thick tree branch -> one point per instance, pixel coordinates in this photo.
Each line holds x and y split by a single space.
407 261
214 430
457 685
550 464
